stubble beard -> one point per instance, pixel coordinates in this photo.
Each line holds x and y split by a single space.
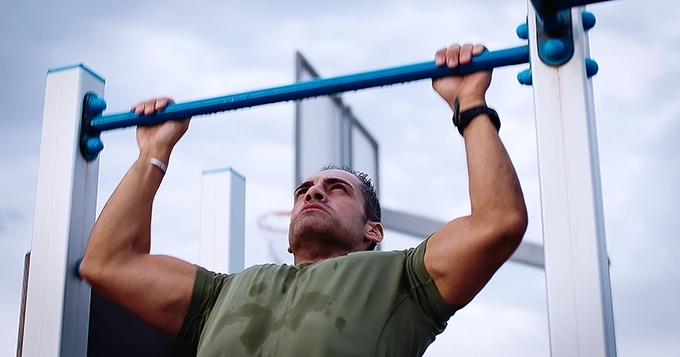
324 235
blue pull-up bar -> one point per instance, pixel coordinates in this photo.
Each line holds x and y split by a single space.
312 88
94 123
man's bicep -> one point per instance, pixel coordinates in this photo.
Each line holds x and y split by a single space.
420 283
156 288
461 258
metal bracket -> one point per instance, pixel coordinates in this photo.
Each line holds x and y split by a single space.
89 142
555 38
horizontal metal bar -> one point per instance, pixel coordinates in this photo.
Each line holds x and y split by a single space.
529 253
410 224
313 88
418 226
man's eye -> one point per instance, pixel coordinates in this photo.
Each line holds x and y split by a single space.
300 191
337 185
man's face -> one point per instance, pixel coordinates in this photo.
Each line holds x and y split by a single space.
328 209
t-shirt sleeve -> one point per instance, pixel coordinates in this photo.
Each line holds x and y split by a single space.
207 288
424 288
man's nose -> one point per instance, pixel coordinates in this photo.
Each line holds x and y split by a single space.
315 193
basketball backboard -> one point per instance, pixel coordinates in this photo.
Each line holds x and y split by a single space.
326 131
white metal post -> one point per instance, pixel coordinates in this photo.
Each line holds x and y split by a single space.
223 204
577 273
58 302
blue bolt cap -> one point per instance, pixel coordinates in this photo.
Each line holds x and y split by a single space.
591 67
554 49
94 145
588 20
97 104
523 31
524 77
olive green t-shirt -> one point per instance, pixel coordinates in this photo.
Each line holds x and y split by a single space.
361 304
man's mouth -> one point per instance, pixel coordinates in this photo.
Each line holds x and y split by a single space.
313 206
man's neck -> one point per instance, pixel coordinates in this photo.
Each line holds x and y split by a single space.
307 257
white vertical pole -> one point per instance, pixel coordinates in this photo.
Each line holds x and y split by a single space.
577 273
58 302
223 204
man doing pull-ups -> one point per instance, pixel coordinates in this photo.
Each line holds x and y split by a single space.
340 298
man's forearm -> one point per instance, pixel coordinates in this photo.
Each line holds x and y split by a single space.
464 254
123 227
495 194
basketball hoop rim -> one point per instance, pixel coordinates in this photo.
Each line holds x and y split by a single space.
268 226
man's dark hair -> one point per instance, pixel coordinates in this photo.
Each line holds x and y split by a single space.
372 209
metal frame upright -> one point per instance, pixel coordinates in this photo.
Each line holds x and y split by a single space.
58 302
580 310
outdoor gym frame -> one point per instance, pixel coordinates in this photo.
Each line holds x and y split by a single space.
575 255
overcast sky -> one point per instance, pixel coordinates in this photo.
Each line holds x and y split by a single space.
200 49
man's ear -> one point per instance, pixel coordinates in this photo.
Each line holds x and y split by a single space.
374 232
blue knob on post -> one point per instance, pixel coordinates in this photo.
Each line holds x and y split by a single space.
588 20
94 145
524 77
554 49
90 143
96 105
591 67
522 31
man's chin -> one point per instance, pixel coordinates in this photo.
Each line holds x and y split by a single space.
312 218
310 228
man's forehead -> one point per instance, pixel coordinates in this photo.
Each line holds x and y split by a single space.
333 173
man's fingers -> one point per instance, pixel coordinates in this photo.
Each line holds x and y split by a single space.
452 54
160 103
138 108
440 57
151 106
466 53
478 49
457 54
